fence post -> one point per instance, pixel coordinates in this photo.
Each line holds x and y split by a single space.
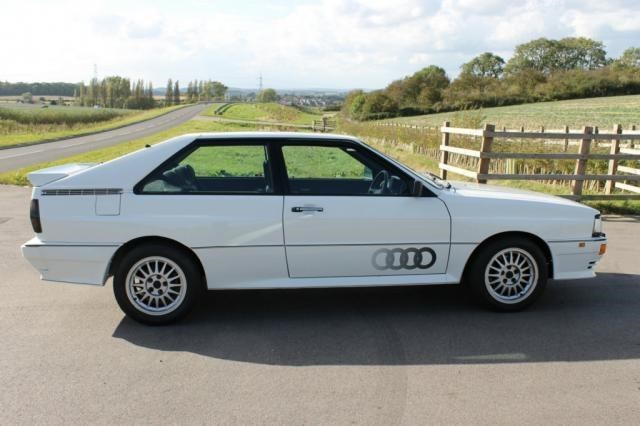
632 144
613 162
487 141
444 155
581 163
566 141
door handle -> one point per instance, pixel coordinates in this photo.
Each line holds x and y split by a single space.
307 209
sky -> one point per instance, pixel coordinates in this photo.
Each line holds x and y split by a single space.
341 44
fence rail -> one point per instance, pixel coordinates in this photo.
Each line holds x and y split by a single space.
613 179
324 125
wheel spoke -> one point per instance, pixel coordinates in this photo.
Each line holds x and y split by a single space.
168 279
511 275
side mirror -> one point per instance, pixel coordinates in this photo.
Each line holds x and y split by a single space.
418 189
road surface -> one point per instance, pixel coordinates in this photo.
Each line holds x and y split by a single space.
329 357
14 158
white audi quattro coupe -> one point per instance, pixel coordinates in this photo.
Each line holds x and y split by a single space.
289 210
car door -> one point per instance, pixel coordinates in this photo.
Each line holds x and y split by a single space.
349 212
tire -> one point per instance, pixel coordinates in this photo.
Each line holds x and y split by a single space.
516 284
156 284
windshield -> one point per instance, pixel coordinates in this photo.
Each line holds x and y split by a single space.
435 179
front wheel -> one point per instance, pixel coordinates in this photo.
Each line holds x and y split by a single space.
508 274
156 284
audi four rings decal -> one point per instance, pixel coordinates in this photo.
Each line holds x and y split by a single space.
408 258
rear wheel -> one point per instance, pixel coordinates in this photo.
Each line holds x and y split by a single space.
156 284
508 274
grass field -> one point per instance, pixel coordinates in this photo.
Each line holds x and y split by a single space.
601 112
266 112
22 125
37 114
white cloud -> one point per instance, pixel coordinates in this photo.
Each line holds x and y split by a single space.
329 43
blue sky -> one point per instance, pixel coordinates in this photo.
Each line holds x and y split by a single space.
295 44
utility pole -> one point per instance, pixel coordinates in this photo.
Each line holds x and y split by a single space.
260 83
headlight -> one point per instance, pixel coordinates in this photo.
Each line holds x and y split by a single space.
597 226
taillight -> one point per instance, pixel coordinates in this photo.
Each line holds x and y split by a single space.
34 213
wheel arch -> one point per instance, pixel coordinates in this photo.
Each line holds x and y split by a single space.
152 239
518 234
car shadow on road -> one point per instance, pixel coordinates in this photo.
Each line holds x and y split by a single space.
586 320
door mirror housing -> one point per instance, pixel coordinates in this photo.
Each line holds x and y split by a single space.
418 189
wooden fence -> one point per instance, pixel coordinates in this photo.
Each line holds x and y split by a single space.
585 138
324 125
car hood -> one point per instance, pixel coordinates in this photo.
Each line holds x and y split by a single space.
484 191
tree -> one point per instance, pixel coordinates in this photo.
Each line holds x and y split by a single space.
218 90
190 92
378 105
176 93
476 77
630 58
357 106
548 56
424 88
267 95
168 96
484 65
196 90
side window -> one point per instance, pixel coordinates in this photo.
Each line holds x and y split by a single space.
215 169
337 170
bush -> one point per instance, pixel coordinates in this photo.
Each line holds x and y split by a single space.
57 116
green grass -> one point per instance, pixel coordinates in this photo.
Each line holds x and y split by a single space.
247 161
601 112
266 112
60 115
14 133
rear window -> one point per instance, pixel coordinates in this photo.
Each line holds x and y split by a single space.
224 169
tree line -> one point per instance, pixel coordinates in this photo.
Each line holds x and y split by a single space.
540 70
121 92
203 90
37 89
116 92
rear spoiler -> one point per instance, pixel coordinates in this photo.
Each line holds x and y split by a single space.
51 174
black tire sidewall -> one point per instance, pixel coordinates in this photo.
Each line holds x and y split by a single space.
181 258
474 276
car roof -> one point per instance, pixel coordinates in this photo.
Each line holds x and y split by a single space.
316 137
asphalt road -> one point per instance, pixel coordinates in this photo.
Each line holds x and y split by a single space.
357 356
14 158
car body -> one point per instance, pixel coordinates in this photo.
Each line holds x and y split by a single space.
292 210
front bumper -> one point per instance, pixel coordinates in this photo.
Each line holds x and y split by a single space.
79 264
576 259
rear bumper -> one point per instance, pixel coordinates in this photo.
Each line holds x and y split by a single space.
571 261
79 264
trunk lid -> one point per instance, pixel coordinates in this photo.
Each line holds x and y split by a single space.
51 174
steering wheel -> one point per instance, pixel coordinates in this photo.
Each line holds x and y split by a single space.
380 183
